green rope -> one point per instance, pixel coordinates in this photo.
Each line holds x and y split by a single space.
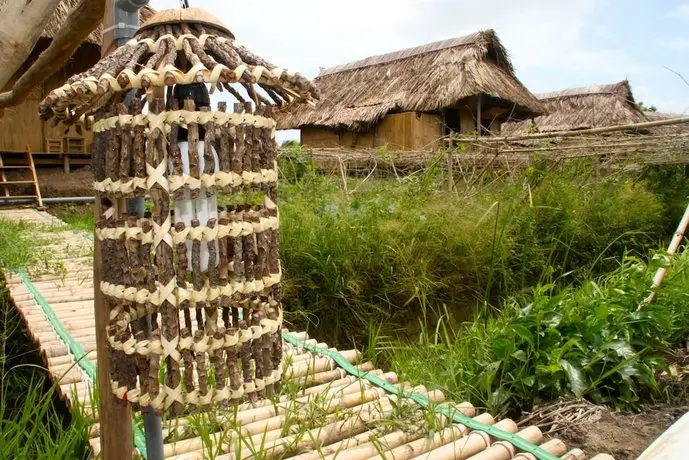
74 347
421 400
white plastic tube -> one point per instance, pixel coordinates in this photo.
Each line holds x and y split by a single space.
202 208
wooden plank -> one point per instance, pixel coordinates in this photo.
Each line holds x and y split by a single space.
3 178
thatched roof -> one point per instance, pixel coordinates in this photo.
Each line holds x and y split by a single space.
670 129
63 9
583 108
426 78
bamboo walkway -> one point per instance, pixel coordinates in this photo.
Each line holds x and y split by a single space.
324 412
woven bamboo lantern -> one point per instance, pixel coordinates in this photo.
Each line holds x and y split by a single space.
193 287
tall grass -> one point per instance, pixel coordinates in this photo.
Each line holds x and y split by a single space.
34 422
380 250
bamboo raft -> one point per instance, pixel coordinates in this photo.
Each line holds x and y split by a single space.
320 412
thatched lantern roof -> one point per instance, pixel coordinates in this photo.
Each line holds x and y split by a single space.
178 47
192 252
425 78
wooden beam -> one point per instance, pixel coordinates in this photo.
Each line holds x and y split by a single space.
583 132
478 115
115 419
80 22
21 25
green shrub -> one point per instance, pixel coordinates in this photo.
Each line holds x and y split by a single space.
593 341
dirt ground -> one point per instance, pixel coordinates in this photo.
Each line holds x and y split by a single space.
54 182
624 436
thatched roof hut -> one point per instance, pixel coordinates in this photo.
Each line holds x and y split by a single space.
22 126
426 79
583 108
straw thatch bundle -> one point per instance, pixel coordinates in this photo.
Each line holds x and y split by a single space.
583 108
63 9
426 78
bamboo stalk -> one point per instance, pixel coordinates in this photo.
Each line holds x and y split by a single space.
502 450
677 239
574 454
469 445
554 446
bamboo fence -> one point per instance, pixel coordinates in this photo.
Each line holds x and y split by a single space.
625 146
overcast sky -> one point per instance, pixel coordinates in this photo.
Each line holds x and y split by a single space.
553 44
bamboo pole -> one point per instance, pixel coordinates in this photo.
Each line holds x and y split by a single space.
469 445
554 446
583 132
502 450
671 250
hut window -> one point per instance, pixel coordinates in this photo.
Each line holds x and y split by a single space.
452 121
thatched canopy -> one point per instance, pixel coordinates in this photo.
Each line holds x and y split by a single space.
425 79
63 10
583 108
177 48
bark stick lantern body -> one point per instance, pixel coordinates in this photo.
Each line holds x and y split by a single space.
209 239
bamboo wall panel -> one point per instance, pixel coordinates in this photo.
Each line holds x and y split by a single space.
399 131
361 140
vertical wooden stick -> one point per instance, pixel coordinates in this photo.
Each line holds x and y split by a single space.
115 421
155 155
193 139
208 157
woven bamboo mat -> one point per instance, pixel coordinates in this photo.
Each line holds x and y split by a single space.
322 411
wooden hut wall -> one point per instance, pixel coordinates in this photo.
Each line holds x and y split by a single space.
319 137
22 125
398 131
358 140
409 131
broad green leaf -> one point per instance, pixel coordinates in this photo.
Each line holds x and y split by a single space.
524 333
519 355
622 348
503 347
575 376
